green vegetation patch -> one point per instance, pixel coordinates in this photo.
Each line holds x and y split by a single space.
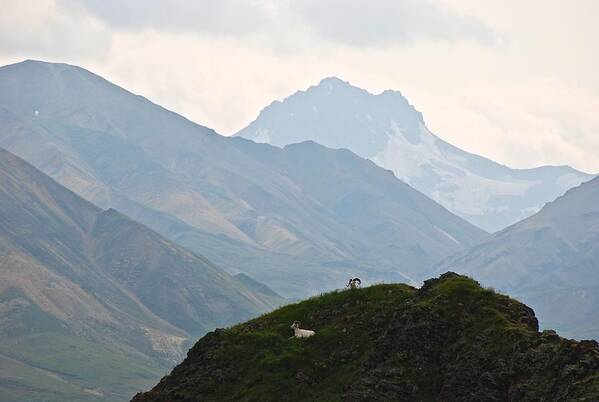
449 340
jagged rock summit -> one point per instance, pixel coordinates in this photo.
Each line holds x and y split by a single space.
449 340
391 132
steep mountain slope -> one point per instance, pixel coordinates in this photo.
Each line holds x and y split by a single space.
451 340
403 227
206 192
388 130
93 305
549 261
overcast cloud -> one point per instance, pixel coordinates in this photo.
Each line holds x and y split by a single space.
387 22
514 80
222 17
352 22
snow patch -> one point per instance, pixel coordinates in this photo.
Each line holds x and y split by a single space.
457 187
569 180
167 344
94 392
262 136
447 234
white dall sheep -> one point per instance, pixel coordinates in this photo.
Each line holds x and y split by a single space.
301 333
354 283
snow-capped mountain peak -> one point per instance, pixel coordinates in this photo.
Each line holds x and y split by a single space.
387 129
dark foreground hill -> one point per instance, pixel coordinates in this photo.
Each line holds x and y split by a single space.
451 340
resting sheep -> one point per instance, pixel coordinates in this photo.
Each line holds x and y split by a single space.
301 333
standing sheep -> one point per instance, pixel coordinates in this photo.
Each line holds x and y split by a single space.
354 283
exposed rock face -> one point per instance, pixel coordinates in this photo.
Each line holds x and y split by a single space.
451 340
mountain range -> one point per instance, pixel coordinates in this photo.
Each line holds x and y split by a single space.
93 305
248 207
136 230
548 260
387 129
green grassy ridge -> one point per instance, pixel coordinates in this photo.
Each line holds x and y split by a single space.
265 342
430 340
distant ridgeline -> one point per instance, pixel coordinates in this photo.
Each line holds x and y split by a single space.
549 261
450 340
297 219
388 130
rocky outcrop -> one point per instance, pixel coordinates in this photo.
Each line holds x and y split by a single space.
449 340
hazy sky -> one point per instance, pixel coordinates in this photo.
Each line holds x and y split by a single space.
514 80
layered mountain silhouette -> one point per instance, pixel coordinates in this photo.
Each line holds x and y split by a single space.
549 260
301 219
450 340
95 306
387 129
